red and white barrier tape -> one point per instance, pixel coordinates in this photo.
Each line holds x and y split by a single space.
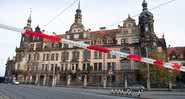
98 48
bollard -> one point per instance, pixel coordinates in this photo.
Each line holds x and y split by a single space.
139 93
122 92
112 91
119 91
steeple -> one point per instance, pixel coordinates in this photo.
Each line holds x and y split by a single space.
26 38
146 29
28 26
77 26
79 4
78 15
144 4
146 20
29 19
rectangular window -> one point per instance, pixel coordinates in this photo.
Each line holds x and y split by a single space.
95 67
38 56
29 57
98 42
84 67
100 55
76 55
76 36
56 56
56 67
124 41
136 51
97 55
86 54
62 67
52 67
72 67
66 67
52 57
47 57
42 67
46 67
110 41
88 66
32 46
68 36
113 65
44 57
100 66
76 67
109 65
38 46
66 45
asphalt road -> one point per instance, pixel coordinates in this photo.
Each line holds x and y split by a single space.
8 91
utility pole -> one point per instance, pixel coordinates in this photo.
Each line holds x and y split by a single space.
104 77
148 71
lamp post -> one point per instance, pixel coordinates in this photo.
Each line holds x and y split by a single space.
148 72
104 77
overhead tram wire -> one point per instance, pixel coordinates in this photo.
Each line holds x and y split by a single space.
149 10
61 13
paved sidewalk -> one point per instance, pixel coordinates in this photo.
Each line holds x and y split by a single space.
145 95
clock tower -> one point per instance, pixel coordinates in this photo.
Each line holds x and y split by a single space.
146 28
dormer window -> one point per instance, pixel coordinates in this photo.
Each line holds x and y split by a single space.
173 55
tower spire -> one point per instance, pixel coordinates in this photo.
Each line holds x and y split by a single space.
79 4
78 15
28 26
29 19
144 4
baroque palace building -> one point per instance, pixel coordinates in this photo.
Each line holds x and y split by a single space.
42 62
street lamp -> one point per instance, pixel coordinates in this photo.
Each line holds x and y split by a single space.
148 71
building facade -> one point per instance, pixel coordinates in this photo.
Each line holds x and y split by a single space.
43 62
176 55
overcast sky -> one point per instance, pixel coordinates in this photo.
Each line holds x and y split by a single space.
169 19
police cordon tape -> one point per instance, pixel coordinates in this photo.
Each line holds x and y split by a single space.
97 48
